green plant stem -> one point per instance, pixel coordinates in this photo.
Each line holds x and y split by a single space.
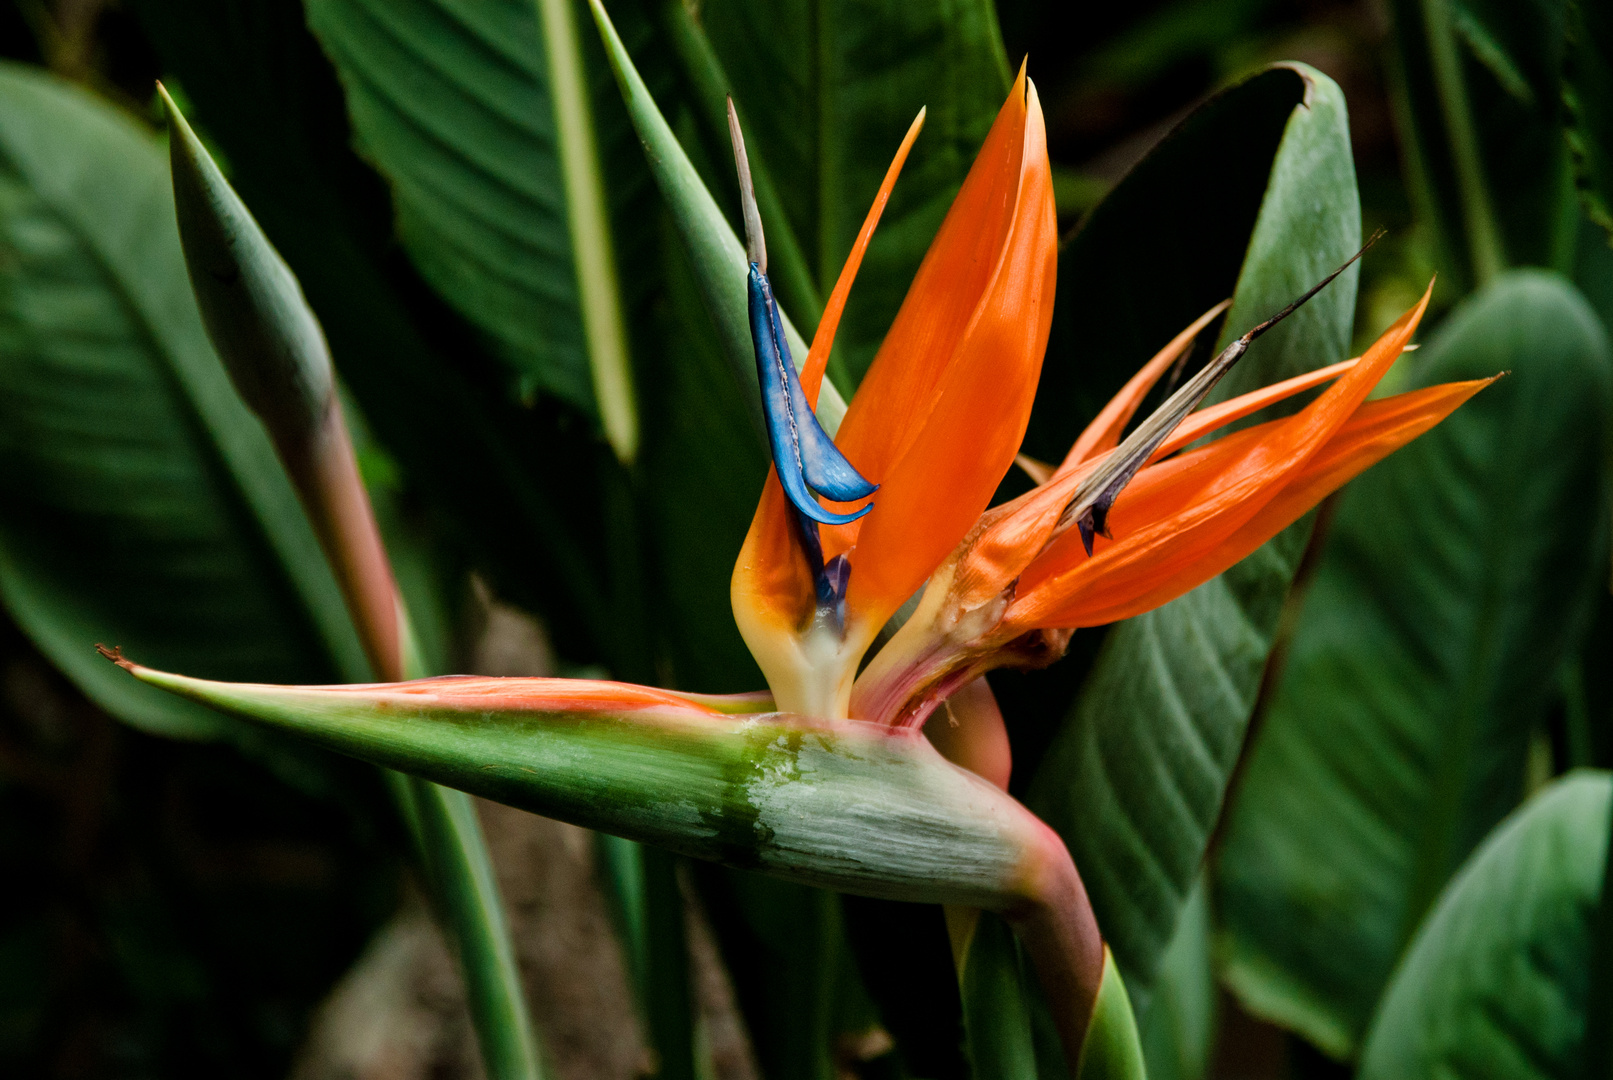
991 982
588 215
643 886
1483 236
668 1002
453 852
621 868
468 900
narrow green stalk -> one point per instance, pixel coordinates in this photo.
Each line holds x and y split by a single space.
1483 236
467 895
668 998
588 216
453 851
991 982
787 264
622 870
643 885
275 353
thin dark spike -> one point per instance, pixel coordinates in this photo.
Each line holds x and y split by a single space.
1089 506
1318 287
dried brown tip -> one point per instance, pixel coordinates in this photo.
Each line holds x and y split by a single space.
115 654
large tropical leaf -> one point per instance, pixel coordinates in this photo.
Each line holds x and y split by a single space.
1494 984
1457 579
451 102
145 506
1135 777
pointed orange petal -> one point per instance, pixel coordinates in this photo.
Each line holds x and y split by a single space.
1189 504
823 340
1159 567
900 388
771 582
949 462
1105 430
1199 424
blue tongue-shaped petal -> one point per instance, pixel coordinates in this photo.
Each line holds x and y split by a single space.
806 458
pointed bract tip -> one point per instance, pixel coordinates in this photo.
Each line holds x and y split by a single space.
755 242
1314 289
115 654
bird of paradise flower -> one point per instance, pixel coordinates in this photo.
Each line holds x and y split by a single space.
827 779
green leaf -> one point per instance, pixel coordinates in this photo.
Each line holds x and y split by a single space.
710 90
1456 581
1162 248
703 469
1136 774
1478 91
146 505
1494 984
451 103
829 90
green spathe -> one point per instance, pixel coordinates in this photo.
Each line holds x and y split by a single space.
849 805
254 309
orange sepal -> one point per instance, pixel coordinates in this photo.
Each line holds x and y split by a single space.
771 578
944 409
903 383
823 339
1376 430
1178 511
1199 424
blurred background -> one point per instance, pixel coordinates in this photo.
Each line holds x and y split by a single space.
174 908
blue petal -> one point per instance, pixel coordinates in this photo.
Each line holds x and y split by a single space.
803 453
826 469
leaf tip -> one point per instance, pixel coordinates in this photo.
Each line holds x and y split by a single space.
115 653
